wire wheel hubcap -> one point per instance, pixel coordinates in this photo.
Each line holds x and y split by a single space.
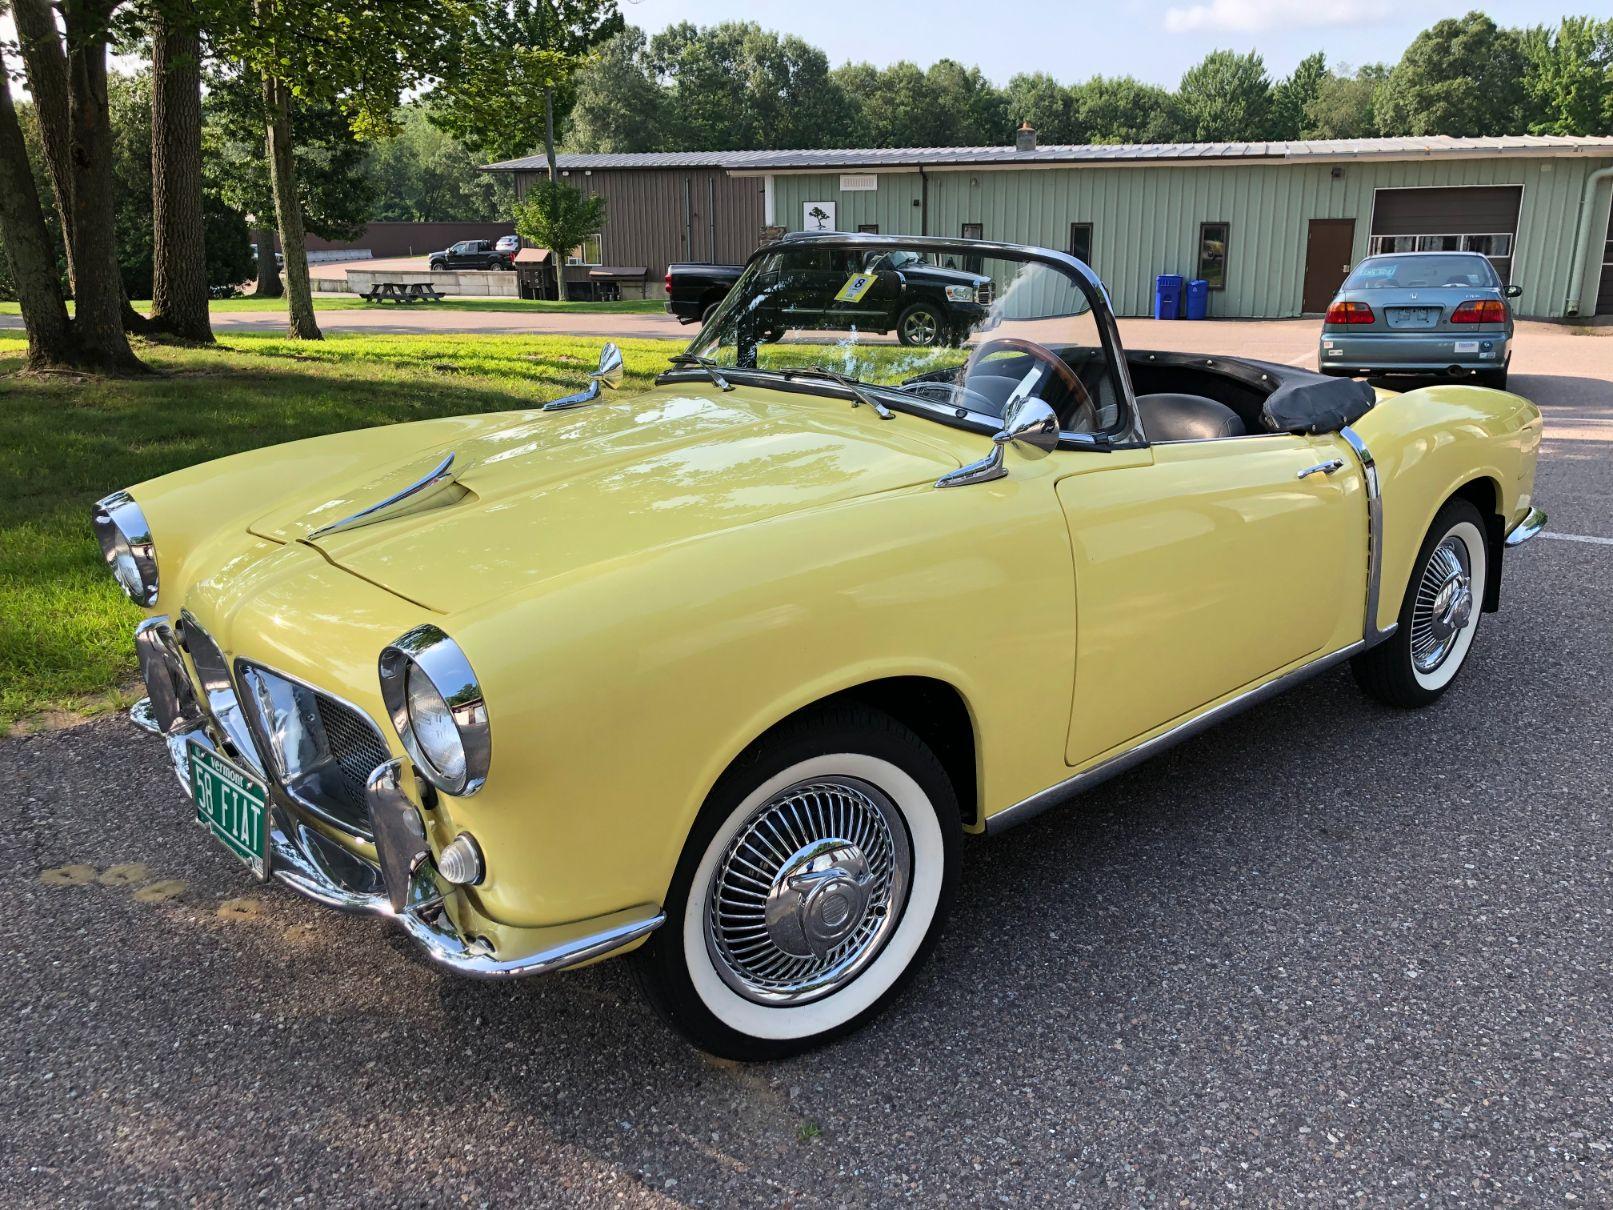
921 328
1444 605
808 891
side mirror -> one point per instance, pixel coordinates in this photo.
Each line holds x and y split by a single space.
1029 425
609 373
610 366
1514 290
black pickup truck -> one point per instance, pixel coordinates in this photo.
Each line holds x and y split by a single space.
873 290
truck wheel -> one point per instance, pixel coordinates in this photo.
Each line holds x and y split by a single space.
812 886
1438 618
437 266
711 309
921 324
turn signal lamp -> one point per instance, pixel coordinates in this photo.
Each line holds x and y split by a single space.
1480 311
1350 313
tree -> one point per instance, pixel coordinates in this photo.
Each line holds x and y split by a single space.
67 77
27 246
553 215
1343 105
1046 104
351 54
179 239
1569 78
896 105
619 103
971 111
422 174
333 190
1461 76
1290 98
1226 97
1124 110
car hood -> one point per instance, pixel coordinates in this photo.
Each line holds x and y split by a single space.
539 495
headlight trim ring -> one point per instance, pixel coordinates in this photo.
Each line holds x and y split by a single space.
431 653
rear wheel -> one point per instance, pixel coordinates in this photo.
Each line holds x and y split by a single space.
1439 616
812 886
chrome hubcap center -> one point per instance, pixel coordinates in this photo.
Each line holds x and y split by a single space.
819 899
1444 605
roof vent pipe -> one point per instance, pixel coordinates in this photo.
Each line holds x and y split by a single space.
1025 137
1582 236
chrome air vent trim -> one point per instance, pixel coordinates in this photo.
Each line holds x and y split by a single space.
424 488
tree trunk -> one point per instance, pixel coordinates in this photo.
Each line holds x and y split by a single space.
98 288
179 253
288 210
27 246
41 45
557 256
268 272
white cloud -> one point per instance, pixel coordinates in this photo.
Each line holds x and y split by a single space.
1257 16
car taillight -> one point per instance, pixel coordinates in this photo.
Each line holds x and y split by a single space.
669 281
1480 311
1350 313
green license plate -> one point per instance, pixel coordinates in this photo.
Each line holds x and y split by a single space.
233 805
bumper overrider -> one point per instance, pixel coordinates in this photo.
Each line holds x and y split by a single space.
404 883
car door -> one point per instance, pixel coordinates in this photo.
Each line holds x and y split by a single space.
459 256
1202 568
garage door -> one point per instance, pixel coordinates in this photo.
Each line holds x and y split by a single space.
1604 296
1481 219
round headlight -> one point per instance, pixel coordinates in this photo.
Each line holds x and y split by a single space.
127 547
436 707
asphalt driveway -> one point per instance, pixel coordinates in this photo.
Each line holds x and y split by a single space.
1328 952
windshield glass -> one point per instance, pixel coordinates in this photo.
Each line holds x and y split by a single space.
948 326
1425 271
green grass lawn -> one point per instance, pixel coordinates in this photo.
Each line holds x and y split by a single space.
65 645
346 302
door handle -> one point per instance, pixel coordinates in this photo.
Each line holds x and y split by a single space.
1322 468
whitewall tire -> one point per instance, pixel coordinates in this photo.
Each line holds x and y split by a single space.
812 886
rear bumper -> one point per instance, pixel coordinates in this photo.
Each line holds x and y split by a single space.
1413 352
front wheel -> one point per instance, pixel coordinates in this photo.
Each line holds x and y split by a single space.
438 266
811 888
1439 616
920 325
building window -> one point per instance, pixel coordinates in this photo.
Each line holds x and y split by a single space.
974 231
1081 242
1496 245
590 252
1213 239
867 228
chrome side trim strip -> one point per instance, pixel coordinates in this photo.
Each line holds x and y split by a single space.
427 485
1533 522
1102 772
1369 474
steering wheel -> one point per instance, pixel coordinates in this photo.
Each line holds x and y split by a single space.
1082 416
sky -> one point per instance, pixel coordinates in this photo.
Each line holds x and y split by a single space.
1154 40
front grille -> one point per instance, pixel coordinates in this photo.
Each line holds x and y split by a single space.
985 294
356 751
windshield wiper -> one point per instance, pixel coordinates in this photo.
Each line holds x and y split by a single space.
703 363
851 384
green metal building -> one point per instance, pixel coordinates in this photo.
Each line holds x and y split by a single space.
1273 226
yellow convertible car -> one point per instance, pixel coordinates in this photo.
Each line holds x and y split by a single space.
721 674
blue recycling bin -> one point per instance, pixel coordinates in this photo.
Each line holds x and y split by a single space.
1198 299
1168 296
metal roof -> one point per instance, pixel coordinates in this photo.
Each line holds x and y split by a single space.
756 162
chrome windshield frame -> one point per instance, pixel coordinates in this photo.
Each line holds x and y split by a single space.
1128 434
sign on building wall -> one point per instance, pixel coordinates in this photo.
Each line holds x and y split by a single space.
859 182
818 216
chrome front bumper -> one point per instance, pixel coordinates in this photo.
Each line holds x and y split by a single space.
405 885
1533 522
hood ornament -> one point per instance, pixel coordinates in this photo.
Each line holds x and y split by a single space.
421 489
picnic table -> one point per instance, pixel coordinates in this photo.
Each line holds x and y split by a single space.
402 292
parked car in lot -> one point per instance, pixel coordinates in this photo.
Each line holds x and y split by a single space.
723 673
509 245
899 291
1441 314
471 254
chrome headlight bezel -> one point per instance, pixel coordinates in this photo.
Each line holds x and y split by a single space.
427 651
127 546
